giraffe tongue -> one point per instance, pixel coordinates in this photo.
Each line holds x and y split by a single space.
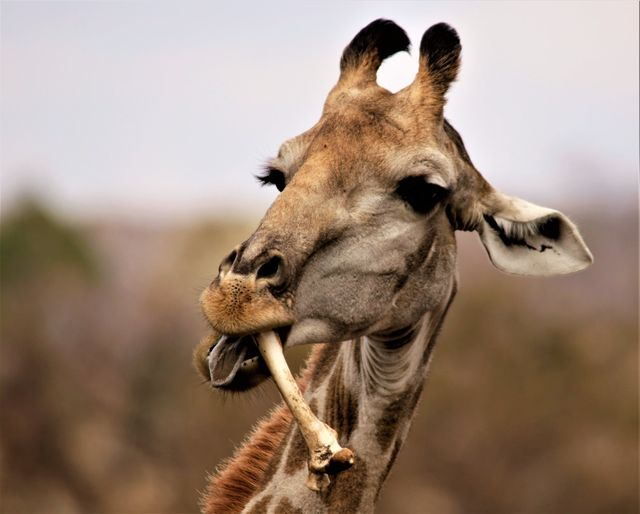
225 359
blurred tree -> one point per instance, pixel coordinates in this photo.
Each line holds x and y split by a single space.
33 243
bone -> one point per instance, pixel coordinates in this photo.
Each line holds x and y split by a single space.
326 456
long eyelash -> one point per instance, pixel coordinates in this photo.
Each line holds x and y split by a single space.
265 177
273 176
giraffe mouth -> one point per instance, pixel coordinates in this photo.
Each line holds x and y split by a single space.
235 363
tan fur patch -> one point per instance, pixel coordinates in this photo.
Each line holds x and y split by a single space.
247 472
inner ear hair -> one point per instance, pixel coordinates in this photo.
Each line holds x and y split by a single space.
516 232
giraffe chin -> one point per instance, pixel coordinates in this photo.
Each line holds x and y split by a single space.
233 363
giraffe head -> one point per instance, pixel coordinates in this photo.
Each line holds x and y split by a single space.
360 240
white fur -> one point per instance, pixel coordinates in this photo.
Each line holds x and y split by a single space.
540 256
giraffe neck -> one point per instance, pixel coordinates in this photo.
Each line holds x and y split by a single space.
366 389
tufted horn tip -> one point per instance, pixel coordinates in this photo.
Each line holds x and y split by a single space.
373 44
438 41
440 55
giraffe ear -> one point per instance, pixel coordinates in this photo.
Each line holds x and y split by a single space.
527 239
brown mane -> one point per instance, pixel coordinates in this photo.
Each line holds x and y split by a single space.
240 477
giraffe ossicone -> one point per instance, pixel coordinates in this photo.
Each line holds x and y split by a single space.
356 256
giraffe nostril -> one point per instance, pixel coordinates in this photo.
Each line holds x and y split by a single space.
227 262
271 268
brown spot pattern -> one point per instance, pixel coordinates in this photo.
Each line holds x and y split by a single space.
387 469
347 488
341 406
436 331
324 360
286 507
395 414
298 454
313 405
261 506
357 353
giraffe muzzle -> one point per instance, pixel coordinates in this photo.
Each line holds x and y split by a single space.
238 305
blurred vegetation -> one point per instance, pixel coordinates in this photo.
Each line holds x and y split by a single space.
33 243
531 404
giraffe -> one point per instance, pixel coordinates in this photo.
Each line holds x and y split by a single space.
357 257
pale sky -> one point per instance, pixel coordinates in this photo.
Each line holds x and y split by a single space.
167 110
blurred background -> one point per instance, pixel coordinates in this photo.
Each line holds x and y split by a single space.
130 134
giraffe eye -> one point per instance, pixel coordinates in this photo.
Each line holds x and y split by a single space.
422 196
272 176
